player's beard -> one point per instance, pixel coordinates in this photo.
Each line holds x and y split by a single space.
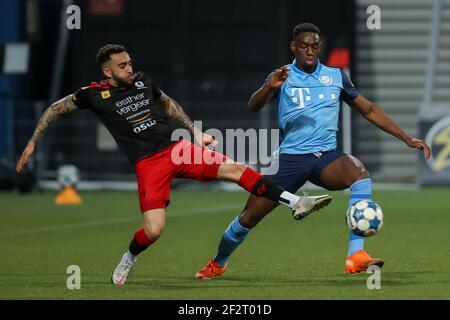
123 82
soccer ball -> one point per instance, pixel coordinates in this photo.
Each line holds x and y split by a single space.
68 176
364 218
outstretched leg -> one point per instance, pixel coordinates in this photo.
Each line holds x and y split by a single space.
259 185
215 166
256 184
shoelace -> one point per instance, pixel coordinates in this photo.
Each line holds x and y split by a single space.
127 265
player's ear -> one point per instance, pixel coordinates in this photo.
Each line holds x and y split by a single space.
292 46
106 72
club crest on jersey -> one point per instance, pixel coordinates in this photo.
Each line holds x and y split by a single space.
105 94
140 85
326 80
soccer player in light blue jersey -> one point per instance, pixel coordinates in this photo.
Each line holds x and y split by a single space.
309 95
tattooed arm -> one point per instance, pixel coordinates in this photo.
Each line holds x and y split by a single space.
175 111
52 113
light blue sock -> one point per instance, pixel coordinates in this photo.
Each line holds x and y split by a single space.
360 190
232 238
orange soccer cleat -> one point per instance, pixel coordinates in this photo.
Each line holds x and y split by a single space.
360 261
211 271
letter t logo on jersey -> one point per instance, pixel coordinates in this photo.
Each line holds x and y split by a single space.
298 97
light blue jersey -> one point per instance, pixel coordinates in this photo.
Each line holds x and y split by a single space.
308 108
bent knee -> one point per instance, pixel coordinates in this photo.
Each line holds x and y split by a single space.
247 220
362 173
153 232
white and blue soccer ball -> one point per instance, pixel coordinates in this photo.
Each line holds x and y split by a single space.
68 176
365 218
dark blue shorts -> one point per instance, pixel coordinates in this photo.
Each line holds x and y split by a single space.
295 169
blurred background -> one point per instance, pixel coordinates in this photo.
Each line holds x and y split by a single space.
211 56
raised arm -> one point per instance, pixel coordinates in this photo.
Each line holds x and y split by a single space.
175 111
263 95
52 113
372 112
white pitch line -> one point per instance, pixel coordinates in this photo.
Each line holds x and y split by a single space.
70 226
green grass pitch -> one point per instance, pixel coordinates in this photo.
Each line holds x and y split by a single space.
281 259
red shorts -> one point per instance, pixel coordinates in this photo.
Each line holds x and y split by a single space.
181 160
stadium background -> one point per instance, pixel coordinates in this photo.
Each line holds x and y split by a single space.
210 56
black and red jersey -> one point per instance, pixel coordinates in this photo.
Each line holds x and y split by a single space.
139 125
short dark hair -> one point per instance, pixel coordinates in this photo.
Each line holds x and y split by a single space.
305 27
105 52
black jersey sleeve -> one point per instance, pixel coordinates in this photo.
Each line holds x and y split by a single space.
156 91
349 91
81 98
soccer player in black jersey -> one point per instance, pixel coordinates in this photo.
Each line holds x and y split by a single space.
136 112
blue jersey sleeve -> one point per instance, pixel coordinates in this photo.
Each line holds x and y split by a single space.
349 91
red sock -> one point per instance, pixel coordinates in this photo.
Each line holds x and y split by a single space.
140 242
141 238
258 185
249 179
